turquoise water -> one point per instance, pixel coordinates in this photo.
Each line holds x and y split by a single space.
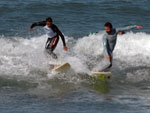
28 86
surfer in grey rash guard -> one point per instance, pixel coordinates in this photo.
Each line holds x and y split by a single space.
53 35
110 39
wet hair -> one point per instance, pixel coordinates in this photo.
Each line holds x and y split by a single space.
108 24
49 19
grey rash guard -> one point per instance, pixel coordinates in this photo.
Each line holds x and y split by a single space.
109 40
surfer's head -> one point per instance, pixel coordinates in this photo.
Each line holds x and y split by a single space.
108 27
49 21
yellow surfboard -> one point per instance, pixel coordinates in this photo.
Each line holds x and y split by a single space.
62 67
101 75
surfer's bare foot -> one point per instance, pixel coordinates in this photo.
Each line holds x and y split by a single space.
97 71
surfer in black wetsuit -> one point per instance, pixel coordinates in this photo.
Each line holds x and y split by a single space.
53 35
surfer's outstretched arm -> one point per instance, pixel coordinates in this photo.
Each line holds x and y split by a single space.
62 37
128 28
42 23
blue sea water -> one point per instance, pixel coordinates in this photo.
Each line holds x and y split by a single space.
28 86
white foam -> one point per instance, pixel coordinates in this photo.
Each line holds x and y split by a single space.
133 48
21 56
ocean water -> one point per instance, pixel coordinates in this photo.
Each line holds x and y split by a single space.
28 86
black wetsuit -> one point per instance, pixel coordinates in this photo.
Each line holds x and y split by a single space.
53 36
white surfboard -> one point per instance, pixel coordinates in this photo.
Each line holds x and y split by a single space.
61 67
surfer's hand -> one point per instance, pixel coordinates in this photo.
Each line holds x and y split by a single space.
108 57
65 48
139 27
121 33
31 29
